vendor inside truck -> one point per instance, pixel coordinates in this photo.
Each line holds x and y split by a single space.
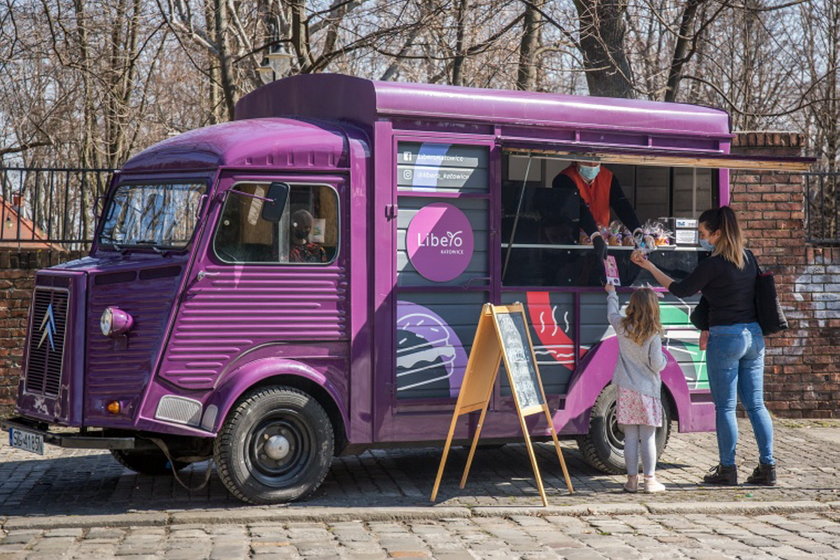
555 232
599 191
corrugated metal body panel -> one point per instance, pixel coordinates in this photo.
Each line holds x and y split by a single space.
235 308
120 367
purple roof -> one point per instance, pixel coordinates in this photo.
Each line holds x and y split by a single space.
335 96
253 143
315 103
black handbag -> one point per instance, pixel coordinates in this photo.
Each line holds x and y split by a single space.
771 318
700 315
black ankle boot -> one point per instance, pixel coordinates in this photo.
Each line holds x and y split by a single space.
764 475
722 475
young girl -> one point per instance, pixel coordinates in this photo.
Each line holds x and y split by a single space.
639 410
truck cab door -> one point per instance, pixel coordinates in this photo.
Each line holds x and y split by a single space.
268 282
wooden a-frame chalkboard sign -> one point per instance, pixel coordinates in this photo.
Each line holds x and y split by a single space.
502 334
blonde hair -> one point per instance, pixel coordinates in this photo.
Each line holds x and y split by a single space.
641 319
731 243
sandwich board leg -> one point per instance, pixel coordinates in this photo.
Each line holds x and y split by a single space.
533 461
559 452
474 444
443 458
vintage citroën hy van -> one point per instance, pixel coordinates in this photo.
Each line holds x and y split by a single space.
307 279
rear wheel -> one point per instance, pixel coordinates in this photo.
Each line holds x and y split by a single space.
603 446
275 446
152 462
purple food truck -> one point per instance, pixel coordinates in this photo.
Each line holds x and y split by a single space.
307 279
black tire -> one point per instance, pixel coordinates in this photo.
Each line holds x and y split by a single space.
303 448
603 446
152 462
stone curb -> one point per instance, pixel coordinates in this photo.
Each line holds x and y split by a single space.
88 521
334 514
568 511
291 514
750 508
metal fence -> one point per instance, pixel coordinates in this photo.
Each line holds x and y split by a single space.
50 208
55 208
822 208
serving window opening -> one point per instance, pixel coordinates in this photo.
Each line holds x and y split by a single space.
543 240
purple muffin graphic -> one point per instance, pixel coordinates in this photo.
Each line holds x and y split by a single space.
430 357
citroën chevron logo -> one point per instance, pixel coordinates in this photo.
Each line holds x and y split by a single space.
48 328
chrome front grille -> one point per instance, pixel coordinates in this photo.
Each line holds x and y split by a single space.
46 340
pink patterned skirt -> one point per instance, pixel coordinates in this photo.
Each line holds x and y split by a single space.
636 408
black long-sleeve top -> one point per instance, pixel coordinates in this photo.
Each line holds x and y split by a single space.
618 202
729 292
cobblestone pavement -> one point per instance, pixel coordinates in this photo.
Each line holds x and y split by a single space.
82 482
694 536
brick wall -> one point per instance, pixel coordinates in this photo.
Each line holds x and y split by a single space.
803 363
17 278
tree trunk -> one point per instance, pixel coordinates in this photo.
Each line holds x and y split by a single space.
300 34
228 89
460 55
683 50
526 75
87 148
602 32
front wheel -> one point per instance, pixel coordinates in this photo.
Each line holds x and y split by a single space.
275 446
603 446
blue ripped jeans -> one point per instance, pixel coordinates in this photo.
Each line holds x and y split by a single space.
735 361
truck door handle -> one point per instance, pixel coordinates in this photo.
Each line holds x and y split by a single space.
202 274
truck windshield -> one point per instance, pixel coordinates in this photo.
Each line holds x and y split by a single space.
161 216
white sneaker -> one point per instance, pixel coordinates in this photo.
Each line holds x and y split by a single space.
632 484
651 485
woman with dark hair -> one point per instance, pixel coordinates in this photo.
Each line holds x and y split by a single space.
735 347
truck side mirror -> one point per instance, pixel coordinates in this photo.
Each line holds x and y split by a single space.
272 210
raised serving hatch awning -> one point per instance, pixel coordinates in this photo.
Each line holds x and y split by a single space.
540 148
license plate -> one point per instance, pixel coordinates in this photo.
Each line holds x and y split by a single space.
28 441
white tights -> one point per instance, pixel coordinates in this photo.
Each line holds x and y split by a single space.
633 434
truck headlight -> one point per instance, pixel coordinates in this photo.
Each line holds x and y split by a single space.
114 321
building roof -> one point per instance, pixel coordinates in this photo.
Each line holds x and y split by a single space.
18 232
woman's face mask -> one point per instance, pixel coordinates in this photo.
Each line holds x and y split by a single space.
705 236
589 173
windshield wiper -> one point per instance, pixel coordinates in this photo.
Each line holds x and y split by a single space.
159 249
110 240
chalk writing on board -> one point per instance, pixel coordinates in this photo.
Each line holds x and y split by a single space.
522 371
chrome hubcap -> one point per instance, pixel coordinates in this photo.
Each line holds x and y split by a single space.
277 447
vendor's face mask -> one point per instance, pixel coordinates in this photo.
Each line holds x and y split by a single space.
707 245
589 173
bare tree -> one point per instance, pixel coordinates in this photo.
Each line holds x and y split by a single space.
602 42
529 46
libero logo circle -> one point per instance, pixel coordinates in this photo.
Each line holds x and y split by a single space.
440 242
